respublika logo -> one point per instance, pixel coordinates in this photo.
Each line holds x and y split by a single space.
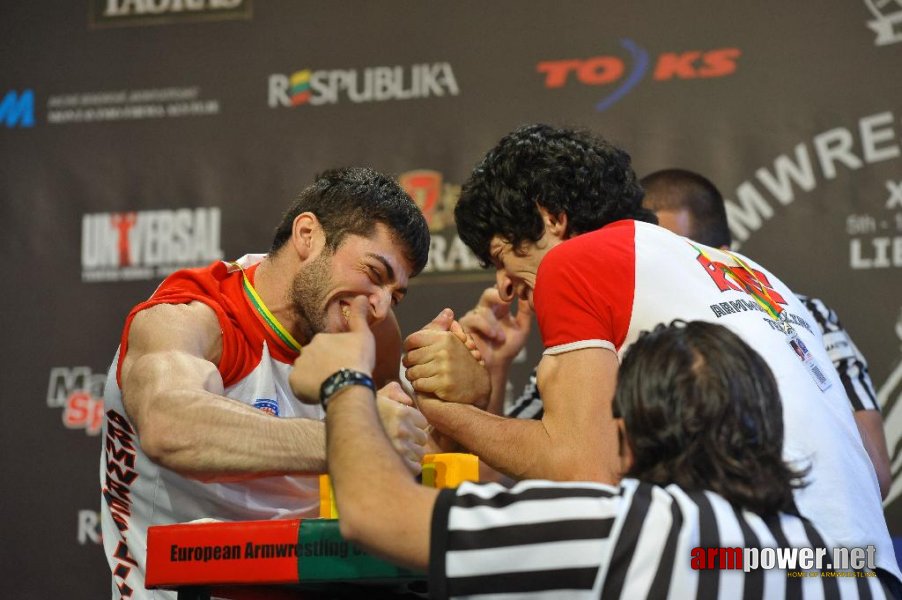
17 109
608 70
148 244
372 84
79 392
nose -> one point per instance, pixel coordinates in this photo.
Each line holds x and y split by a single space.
380 303
505 286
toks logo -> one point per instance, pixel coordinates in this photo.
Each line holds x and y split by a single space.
144 245
604 70
374 84
79 392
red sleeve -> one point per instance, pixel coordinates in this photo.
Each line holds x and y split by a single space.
584 290
182 287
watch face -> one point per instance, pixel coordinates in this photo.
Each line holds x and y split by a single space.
334 382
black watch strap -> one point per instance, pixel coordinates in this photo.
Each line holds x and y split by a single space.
342 379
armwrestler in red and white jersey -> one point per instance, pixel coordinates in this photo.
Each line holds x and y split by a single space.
559 215
203 366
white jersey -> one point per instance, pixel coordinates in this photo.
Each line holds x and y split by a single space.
603 288
138 493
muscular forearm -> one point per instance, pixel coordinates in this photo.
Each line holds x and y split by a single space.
498 375
382 508
212 438
185 424
522 448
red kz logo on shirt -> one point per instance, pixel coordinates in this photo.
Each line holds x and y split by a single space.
727 278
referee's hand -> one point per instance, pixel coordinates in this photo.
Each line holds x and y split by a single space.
329 352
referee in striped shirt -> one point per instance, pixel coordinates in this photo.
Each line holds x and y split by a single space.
701 449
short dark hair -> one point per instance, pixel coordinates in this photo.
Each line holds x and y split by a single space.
678 189
563 170
702 410
351 201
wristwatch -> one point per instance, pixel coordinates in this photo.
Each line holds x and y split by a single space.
342 379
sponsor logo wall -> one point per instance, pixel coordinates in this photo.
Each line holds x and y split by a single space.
144 136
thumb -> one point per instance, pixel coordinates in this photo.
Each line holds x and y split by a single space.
357 313
442 321
458 331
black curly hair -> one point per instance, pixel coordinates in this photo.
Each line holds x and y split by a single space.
350 201
565 171
702 410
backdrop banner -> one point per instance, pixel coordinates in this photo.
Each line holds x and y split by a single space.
143 136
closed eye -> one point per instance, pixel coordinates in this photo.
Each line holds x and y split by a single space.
375 275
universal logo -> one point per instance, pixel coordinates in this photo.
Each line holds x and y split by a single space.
129 246
114 13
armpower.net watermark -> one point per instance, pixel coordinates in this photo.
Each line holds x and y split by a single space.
798 562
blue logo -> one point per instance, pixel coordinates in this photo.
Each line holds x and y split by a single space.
268 406
17 110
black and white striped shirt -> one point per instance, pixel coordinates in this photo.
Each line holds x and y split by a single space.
583 540
848 360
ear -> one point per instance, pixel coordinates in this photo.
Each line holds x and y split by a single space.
555 225
624 450
307 236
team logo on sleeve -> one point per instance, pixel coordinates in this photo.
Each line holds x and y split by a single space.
268 406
